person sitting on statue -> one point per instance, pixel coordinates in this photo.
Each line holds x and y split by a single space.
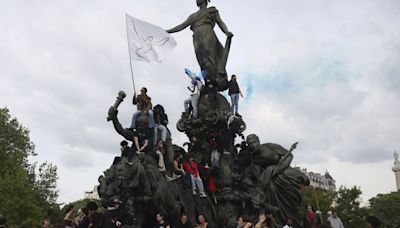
233 92
160 156
144 105
161 121
190 166
215 155
193 100
178 164
141 138
127 151
160 159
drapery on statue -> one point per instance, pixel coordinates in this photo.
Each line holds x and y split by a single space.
210 53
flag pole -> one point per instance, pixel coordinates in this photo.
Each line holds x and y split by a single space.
130 58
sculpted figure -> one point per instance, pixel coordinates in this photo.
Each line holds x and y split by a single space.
210 53
278 184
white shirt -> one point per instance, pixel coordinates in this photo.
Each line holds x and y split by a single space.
335 222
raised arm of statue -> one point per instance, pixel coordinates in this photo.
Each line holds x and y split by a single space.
181 26
396 157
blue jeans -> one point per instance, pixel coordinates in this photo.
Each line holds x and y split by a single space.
197 181
163 130
234 103
151 118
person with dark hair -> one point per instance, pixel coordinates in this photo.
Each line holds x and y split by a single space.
263 220
311 219
244 222
270 215
233 92
84 223
190 166
160 157
126 151
183 222
68 218
144 105
161 221
335 221
94 216
111 218
141 138
203 221
161 121
373 222
45 223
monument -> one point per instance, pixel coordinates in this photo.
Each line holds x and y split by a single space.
396 169
242 175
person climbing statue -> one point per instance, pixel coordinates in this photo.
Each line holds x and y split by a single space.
234 92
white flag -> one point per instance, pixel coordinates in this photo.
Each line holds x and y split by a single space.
147 42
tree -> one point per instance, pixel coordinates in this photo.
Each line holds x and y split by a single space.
387 208
27 194
348 207
319 198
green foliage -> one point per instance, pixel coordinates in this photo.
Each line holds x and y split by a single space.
387 208
27 194
317 197
348 207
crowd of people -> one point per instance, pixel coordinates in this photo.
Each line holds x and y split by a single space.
116 216
113 217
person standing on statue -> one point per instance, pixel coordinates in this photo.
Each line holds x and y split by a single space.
194 97
144 105
233 92
210 53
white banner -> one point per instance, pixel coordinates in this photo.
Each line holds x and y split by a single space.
147 42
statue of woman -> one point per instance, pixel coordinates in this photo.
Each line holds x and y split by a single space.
210 53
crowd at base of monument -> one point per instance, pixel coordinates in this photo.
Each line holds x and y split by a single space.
214 176
116 216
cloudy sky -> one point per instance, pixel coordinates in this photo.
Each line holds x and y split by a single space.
322 72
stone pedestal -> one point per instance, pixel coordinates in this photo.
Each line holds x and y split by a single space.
396 170
397 174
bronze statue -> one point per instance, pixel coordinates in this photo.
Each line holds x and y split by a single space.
271 180
210 53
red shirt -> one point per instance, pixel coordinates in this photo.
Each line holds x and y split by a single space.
191 167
